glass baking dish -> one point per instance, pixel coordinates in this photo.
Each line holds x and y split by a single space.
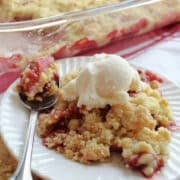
75 32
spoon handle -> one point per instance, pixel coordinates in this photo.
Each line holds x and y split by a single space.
23 171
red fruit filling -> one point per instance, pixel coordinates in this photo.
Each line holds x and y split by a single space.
72 111
36 68
148 76
147 164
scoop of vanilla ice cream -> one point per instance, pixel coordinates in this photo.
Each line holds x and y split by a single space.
105 81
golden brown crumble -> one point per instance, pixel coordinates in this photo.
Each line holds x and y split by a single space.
138 127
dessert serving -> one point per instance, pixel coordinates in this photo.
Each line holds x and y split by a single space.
39 79
109 106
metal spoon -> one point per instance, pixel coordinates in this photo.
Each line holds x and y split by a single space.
23 171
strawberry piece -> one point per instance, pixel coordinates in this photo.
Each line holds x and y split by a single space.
135 163
72 111
84 44
148 76
60 52
152 77
112 35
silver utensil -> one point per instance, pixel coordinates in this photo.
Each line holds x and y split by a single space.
23 171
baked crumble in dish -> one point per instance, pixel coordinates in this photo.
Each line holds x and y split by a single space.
39 79
90 121
77 36
33 9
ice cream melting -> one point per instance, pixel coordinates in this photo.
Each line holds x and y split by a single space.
105 81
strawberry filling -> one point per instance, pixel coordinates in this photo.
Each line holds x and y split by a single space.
72 111
148 76
146 163
36 67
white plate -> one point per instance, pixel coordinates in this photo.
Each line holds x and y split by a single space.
48 163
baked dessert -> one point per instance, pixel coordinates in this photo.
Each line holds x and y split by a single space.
75 37
39 79
23 10
109 106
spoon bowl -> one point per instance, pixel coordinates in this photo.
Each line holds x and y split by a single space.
47 102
